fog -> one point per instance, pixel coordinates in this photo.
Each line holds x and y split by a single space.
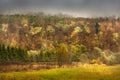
81 8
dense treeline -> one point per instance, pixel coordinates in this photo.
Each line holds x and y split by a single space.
12 54
61 54
59 39
34 32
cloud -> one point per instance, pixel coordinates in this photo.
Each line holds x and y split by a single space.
85 8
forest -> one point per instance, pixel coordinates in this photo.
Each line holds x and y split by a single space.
59 38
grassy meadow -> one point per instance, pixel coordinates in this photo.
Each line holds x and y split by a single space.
83 72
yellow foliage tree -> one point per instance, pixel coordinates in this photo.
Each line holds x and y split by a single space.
62 54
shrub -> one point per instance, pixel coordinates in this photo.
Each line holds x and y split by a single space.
97 52
110 58
83 58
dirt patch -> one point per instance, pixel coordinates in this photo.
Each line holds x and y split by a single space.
27 66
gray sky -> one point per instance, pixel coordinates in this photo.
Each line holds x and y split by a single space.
83 8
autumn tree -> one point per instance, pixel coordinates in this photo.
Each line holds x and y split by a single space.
63 55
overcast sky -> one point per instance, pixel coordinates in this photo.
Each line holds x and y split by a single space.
83 8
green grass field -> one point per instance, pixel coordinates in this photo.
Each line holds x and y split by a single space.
88 72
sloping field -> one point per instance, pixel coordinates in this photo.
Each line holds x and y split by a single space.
86 72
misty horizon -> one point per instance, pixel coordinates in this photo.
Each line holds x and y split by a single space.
76 8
